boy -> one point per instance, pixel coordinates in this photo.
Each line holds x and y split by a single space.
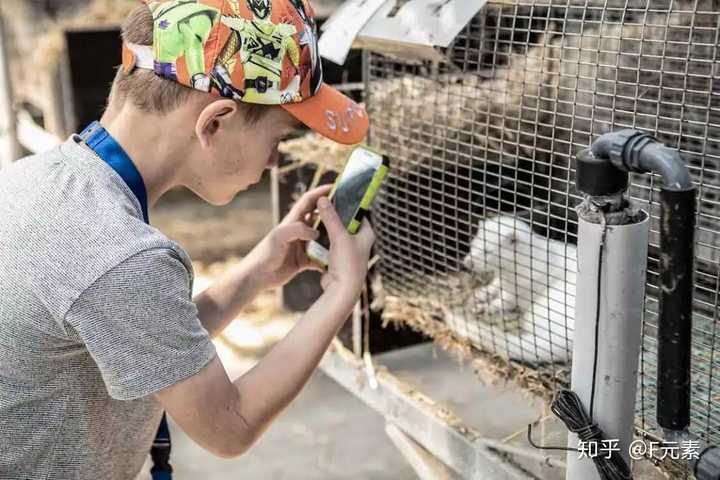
98 330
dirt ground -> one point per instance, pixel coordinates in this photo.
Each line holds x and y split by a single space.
210 233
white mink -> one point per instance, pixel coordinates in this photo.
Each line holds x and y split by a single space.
532 274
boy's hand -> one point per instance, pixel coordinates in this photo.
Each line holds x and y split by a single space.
349 253
281 254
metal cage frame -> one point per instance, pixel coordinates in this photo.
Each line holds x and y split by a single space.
494 130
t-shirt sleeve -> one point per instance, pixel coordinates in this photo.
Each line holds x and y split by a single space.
140 325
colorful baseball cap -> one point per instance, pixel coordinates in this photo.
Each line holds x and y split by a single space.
254 51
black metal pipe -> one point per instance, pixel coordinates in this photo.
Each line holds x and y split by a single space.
677 227
634 151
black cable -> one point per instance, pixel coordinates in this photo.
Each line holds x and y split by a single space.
597 311
543 447
568 408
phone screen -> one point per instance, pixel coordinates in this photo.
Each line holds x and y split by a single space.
351 187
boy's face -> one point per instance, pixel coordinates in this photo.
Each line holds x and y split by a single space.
240 153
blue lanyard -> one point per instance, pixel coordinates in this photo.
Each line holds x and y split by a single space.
111 152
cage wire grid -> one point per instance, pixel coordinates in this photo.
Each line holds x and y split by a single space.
476 224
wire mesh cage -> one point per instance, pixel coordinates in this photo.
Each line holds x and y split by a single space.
476 224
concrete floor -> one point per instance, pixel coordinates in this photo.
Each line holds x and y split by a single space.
325 434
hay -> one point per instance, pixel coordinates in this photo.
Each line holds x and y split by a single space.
421 117
425 314
313 148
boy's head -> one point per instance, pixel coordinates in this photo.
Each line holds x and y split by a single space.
232 77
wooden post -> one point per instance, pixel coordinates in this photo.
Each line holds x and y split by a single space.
9 148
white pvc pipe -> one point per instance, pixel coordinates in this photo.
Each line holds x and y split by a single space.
622 290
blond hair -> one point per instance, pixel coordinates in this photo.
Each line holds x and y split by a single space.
146 90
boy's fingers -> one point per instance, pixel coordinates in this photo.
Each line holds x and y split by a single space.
330 218
296 231
320 188
306 203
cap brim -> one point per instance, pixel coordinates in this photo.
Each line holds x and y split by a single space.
333 115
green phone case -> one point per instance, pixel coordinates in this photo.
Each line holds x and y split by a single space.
312 251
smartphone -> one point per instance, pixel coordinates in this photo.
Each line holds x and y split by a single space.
352 195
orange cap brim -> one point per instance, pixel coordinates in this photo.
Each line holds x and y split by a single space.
333 115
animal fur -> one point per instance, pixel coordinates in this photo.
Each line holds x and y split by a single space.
533 280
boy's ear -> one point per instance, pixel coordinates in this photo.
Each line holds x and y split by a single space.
213 118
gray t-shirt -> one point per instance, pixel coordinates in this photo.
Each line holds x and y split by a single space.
96 314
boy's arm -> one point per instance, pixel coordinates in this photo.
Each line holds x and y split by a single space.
269 264
226 417
222 301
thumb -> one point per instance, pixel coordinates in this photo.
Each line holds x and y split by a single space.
330 218
366 235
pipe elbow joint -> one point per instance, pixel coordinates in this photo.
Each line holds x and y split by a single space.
634 151
621 147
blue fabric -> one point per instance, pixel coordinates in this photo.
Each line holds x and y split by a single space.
165 475
107 148
111 152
